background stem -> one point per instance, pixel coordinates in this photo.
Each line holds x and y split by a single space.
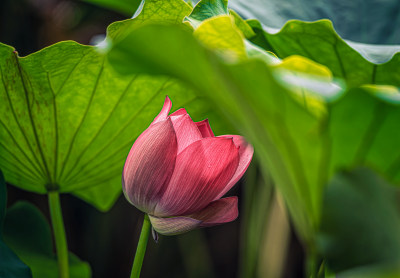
141 248
59 234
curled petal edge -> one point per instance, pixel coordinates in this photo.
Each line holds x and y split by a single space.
246 152
173 225
216 213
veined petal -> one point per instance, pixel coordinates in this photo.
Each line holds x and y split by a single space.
149 166
179 112
205 128
218 212
201 172
162 116
185 129
173 225
246 154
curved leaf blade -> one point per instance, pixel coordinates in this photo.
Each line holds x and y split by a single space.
372 22
356 63
301 149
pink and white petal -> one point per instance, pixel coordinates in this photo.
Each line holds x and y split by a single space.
246 154
186 131
205 128
218 212
201 172
173 225
162 116
149 166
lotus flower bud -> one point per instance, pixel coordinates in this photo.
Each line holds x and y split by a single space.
177 171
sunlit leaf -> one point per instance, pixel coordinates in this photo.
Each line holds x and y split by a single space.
207 9
68 120
222 34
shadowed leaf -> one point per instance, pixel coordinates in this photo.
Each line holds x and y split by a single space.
360 224
27 232
10 265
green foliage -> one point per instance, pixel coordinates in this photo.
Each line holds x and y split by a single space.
10 265
302 146
207 9
68 119
368 21
360 224
356 63
154 11
27 232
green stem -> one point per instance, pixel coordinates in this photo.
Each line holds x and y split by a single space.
59 233
141 247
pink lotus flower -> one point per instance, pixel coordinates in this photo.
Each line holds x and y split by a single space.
177 171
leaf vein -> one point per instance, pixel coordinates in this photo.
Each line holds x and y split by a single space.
163 86
81 122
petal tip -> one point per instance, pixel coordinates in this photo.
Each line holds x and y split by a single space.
164 111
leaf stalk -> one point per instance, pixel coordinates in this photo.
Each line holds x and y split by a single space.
59 233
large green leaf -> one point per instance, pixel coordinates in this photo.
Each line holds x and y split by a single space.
356 63
302 147
27 232
10 265
68 120
360 224
371 21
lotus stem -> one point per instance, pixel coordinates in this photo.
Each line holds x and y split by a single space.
59 234
141 248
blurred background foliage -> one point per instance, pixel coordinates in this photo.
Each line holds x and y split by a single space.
264 241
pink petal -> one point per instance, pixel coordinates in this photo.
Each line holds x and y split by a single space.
201 172
162 116
185 129
218 212
179 112
246 154
205 128
173 225
149 166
